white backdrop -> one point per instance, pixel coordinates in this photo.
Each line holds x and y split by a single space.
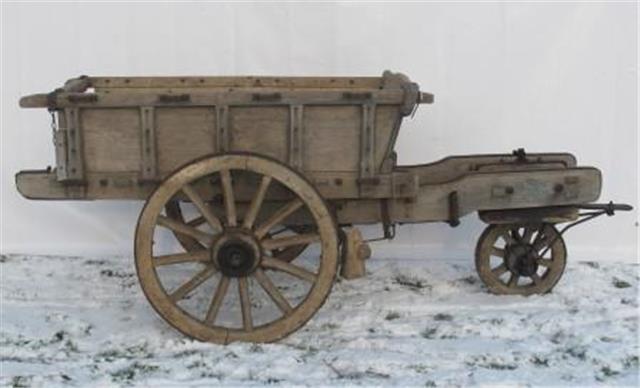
546 77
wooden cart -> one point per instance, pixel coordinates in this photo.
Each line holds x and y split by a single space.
248 172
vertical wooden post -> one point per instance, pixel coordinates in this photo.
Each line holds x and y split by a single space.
355 252
222 128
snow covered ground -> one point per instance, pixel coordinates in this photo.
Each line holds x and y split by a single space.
84 321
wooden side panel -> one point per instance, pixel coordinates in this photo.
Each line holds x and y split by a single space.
332 138
111 139
263 130
183 134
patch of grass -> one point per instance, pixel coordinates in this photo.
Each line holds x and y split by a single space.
420 368
430 383
375 374
471 280
619 283
429 333
59 336
330 326
132 371
540 361
578 352
591 264
196 364
557 337
391 315
21 381
631 362
608 372
488 362
116 274
255 348
443 317
135 351
411 282
499 366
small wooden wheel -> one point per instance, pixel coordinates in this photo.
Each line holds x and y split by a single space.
520 259
174 211
193 289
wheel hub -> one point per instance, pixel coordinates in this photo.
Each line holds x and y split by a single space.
236 254
522 259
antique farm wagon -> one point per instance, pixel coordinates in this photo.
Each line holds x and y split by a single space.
241 175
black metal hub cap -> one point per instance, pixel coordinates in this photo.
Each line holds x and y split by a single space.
522 259
236 255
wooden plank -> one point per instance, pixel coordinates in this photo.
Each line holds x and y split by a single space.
235 97
332 138
149 168
112 139
183 134
246 81
260 129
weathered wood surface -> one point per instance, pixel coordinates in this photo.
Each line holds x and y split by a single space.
118 137
152 125
476 191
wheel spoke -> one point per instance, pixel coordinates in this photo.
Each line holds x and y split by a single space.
528 233
536 279
256 203
245 304
283 242
278 217
192 284
273 291
513 280
229 198
216 302
204 209
181 228
506 236
289 268
500 270
202 255
495 251
541 243
545 262
197 221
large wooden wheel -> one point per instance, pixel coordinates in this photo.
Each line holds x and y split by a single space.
173 210
520 259
229 287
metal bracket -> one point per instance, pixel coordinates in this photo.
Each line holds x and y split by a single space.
74 159
148 143
296 127
367 141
